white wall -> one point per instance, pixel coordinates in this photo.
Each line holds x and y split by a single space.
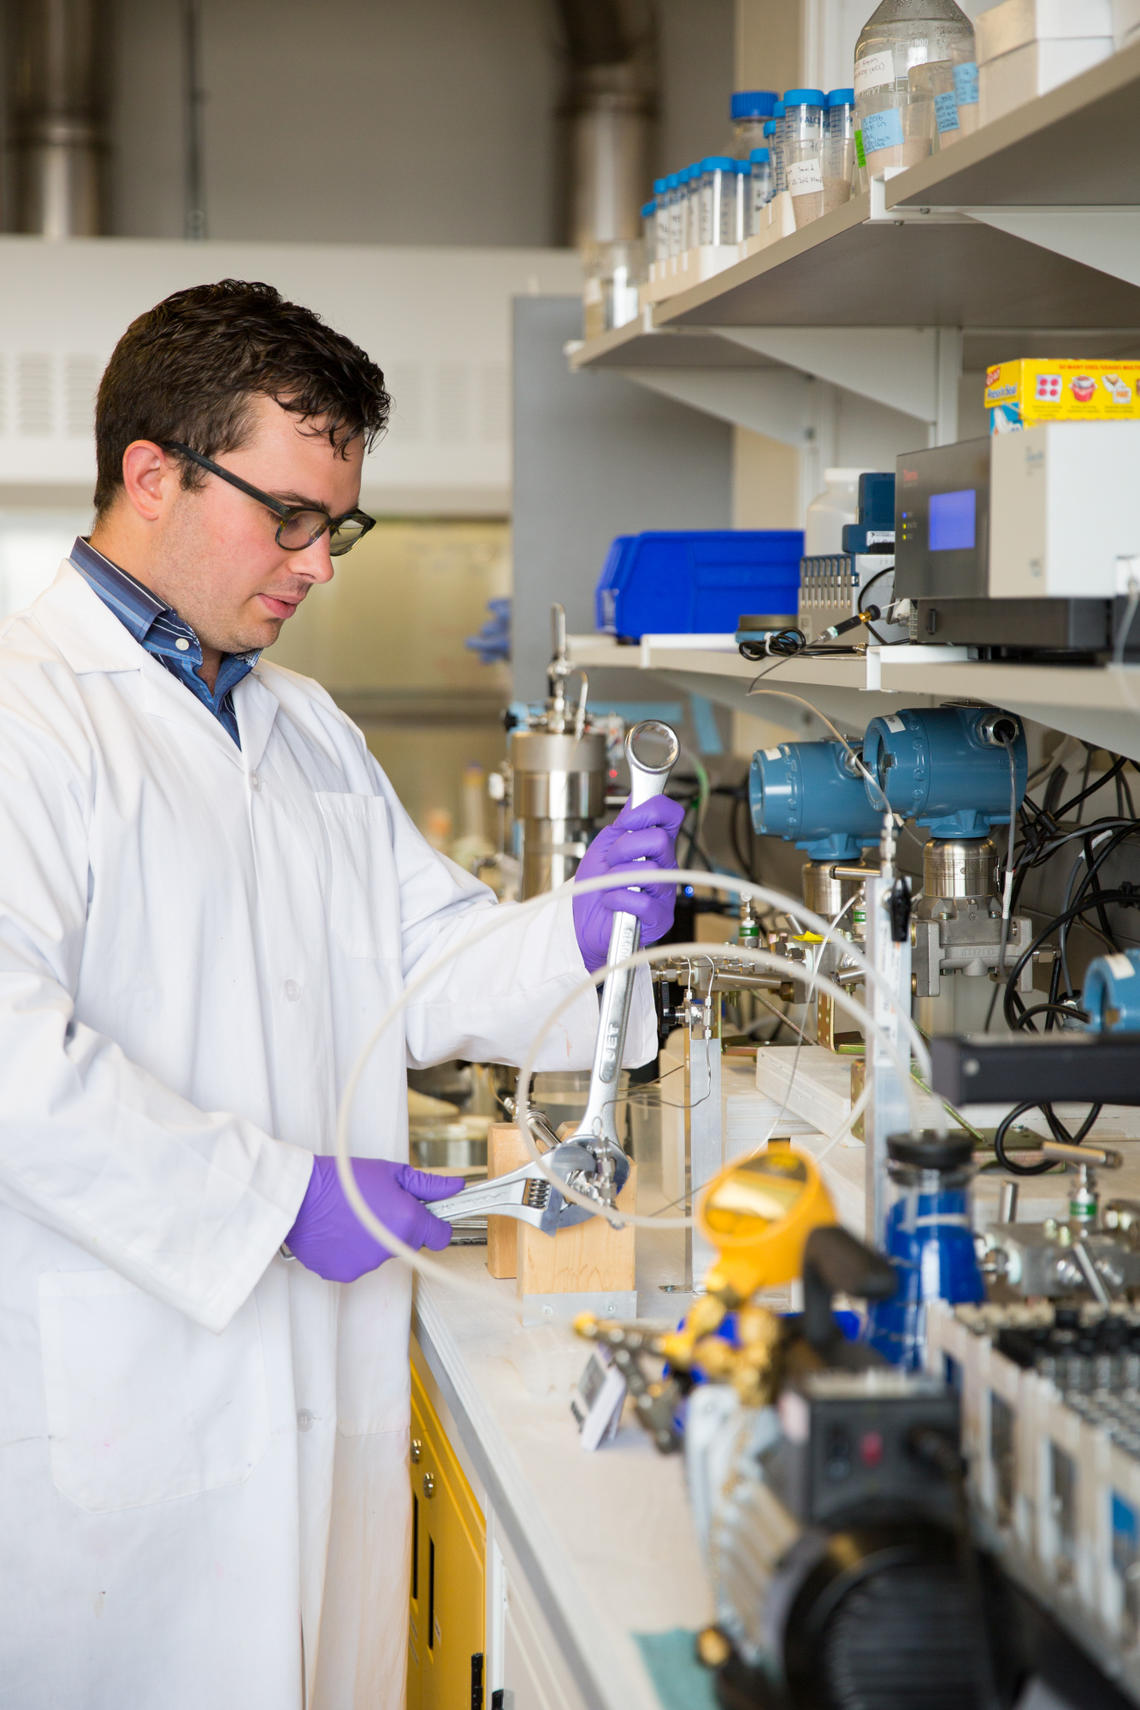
376 122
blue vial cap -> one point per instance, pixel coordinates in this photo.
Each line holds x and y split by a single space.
778 110
743 168
841 98
803 98
648 208
770 128
759 156
660 185
717 163
753 103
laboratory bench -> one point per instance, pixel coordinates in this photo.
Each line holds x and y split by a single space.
592 1564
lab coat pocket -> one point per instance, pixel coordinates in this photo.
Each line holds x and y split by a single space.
144 1405
359 834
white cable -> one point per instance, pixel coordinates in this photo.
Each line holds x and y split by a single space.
667 952
492 922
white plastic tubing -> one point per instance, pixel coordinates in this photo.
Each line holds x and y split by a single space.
489 923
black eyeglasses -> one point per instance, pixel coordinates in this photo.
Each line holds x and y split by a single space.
299 525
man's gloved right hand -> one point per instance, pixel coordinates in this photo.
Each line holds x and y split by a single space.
330 1239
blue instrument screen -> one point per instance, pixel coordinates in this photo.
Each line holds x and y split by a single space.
953 520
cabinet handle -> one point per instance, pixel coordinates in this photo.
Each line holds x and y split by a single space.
429 1484
417 1451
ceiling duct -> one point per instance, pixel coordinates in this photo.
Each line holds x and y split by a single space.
56 116
610 111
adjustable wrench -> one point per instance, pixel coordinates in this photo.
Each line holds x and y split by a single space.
527 1194
651 749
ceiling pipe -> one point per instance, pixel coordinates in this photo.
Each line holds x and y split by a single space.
610 111
56 117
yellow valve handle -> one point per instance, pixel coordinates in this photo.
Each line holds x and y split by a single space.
758 1214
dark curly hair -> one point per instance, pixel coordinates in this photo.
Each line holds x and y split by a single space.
188 369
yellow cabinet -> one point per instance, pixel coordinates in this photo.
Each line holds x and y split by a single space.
447 1619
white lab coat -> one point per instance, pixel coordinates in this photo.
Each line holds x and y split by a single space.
203 1486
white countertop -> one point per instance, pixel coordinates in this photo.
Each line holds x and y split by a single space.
606 1539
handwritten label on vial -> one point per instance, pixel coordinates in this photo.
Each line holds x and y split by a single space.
882 130
893 724
966 84
805 177
946 112
873 71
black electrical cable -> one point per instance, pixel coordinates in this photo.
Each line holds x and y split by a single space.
1130 898
1003 1157
1090 789
785 643
1071 1012
868 585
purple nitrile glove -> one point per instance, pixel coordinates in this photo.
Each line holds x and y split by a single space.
647 833
330 1239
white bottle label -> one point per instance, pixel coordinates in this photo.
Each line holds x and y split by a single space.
805 177
873 71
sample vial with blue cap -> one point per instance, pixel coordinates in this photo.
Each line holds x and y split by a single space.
803 151
649 231
760 191
692 226
743 200
678 212
777 147
661 195
750 108
718 200
838 148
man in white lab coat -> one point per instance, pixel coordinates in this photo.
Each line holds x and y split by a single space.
208 897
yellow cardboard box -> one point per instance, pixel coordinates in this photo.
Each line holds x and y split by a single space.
1060 389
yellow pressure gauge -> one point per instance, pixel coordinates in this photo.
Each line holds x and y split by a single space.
758 1214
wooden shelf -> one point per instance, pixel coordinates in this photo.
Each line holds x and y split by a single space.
1077 146
847 270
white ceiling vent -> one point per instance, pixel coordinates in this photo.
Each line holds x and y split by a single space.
35 405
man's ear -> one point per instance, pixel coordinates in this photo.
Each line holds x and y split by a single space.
150 476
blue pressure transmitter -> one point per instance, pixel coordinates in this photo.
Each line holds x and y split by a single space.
1112 993
948 767
813 795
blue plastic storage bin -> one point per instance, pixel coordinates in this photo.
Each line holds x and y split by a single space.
699 581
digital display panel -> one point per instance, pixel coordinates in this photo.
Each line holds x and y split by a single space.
953 520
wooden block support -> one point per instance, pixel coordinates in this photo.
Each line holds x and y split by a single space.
588 1257
506 1150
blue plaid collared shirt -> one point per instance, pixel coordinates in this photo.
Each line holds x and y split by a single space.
157 627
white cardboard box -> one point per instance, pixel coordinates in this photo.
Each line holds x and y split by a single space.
1015 78
1016 23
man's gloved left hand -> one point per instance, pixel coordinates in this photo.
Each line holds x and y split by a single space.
639 834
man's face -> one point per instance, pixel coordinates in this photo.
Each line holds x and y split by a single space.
217 560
